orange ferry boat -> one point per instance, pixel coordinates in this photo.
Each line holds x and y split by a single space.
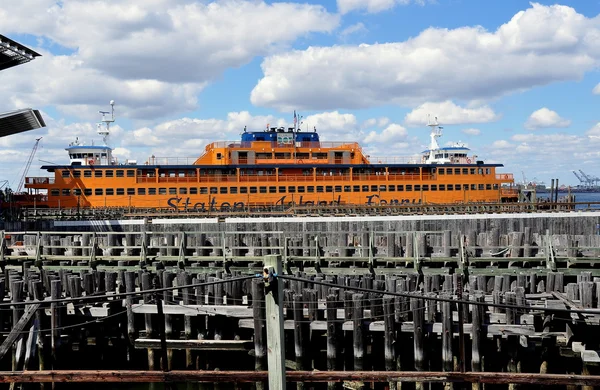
275 167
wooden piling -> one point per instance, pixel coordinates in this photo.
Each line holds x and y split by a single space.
334 332
358 325
258 311
418 311
389 336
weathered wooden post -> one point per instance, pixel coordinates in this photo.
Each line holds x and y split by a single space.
274 309
258 311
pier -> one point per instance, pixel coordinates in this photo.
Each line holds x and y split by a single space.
370 302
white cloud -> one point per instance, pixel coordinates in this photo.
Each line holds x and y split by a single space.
449 113
392 134
545 118
538 46
357 28
501 144
153 56
471 131
596 90
372 6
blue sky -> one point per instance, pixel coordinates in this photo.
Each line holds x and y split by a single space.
517 81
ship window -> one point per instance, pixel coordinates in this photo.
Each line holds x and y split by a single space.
373 188
425 187
409 187
233 190
346 189
282 190
243 190
480 171
488 186
441 171
97 173
328 188
141 191
87 191
480 186
450 187
223 190
193 191
130 173
162 191
473 187
272 190
495 186
291 189
465 171
110 191
213 190
203 190
465 187
355 188
172 191
66 192
104 155
253 190
65 174
449 171
301 189
120 191
120 173
108 173
417 187
55 192
219 156
434 187
76 173
310 189
183 190
263 190
338 189
151 191
87 173
472 171
77 191
457 171
365 188
400 188
382 187
392 187
98 191
319 188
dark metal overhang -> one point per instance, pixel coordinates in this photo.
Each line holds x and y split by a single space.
13 53
15 122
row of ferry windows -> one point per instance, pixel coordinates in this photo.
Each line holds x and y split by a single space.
464 171
131 172
271 190
98 173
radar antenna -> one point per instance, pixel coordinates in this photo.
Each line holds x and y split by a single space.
104 131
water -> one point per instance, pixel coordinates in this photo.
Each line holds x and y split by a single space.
580 197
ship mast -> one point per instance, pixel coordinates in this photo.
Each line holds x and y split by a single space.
436 132
105 131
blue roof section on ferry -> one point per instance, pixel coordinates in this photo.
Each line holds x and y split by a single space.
449 148
88 147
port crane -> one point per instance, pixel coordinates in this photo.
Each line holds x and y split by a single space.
22 180
585 179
